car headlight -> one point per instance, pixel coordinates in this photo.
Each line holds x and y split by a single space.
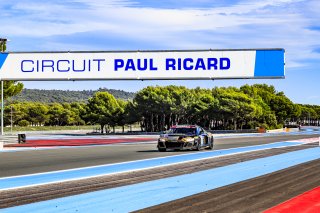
162 140
187 139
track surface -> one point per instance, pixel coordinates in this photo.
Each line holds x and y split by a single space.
15 197
254 195
35 161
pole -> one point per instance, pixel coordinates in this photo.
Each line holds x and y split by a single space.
3 43
2 105
11 118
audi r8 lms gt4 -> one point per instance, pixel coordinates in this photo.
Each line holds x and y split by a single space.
181 137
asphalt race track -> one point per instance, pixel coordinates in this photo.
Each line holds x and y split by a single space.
247 173
45 160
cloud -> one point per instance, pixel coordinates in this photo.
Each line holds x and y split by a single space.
120 16
168 24
183 4
313 97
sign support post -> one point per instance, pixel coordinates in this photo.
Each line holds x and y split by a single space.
3 43
2 108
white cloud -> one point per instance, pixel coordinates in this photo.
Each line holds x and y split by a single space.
250 23
313 97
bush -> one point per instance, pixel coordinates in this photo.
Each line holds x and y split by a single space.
23 123
251 125
264 126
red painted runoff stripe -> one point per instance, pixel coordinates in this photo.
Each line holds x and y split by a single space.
308 202
77 142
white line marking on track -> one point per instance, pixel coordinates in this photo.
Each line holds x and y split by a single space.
131 170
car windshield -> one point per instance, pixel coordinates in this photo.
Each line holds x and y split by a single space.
189 131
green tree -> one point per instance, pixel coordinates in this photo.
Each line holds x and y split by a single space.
11 88
181 99
120 116
55 114
15 111
236 106
262 95
37 113
282 106
308 113
101 109
78 111
160 107
201 107
146 101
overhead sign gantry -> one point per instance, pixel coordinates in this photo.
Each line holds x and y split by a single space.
143 65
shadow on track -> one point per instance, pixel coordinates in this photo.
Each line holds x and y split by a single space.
155 150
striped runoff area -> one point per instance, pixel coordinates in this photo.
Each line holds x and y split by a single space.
146 194
88 172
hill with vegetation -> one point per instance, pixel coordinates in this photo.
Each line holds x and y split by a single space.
66 96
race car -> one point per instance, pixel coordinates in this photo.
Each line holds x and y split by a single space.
181 137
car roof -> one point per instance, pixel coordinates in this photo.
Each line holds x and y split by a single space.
184 126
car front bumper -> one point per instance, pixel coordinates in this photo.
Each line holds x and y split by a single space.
175 145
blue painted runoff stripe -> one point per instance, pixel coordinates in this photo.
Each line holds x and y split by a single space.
72 174
143 195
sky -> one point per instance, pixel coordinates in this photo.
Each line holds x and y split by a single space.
91 25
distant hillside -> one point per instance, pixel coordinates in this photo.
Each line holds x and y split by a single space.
50 96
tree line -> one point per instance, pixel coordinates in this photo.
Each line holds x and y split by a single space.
64 96
156 108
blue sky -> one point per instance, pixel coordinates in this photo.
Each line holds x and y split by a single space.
36 25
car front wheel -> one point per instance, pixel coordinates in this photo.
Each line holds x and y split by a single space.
211 143
198 146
